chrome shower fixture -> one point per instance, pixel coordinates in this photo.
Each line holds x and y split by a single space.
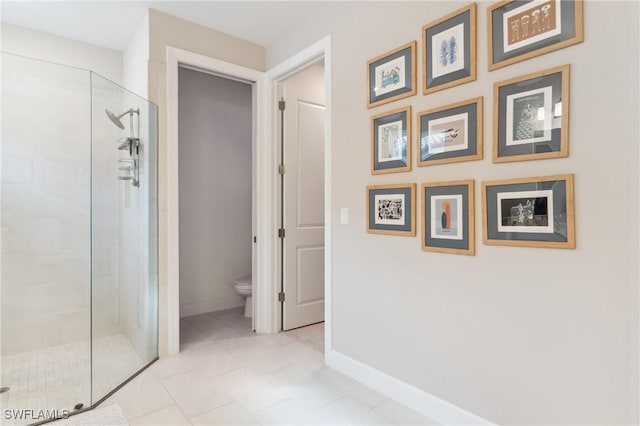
131 144
116 118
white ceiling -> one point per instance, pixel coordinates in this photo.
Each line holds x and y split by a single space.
111 23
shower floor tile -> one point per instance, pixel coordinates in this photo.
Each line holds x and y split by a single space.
59 377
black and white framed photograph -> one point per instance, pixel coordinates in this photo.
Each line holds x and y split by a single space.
392 75
448 217
391 141
519 30
533 212
449 56
531 116
451 133
391 209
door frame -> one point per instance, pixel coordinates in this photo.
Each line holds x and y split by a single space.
261 167
265 189
275 76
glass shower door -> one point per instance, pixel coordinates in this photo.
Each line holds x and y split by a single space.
45 263
124 291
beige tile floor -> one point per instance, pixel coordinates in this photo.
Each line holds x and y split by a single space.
227 375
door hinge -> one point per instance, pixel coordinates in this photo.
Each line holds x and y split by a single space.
281 169
255 239
281 233
281 105
281 296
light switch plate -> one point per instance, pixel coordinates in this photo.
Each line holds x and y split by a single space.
344 215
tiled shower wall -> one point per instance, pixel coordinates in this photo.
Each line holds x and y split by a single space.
46 199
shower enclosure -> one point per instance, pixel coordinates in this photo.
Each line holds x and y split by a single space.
79 272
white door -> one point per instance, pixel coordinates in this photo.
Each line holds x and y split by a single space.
303 198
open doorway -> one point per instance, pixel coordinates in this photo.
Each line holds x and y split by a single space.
178 59
302 193
215 187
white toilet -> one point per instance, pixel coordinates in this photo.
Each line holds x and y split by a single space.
244 287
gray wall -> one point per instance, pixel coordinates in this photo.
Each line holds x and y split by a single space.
515 335
215 186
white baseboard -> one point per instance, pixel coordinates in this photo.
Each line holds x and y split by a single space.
197 308
429 405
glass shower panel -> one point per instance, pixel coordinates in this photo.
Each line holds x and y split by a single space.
123 235
45 259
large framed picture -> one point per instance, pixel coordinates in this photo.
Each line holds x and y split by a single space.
448 217
392 76
533 212
449 45
522 29
391 141
391 209
451 133
531 116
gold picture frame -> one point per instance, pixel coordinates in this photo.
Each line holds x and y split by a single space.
391 141
391 209
443 66
531 116
448 217
392 75
529 212
451 133
532 29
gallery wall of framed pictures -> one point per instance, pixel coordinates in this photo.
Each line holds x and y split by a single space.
530 123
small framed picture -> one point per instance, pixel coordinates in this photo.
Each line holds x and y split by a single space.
531 116
391 141
532 212
449 45
392 76
523 29
391 209
448 224
451 133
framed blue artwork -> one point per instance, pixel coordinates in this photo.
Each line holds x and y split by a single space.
392 75
449 56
